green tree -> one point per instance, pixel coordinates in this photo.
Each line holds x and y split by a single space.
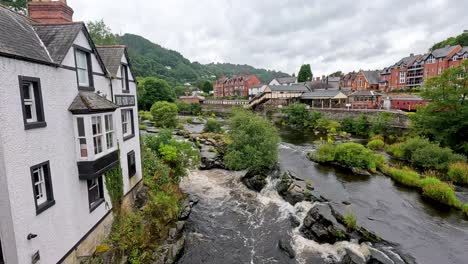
297 115
305 73
337 74
17 5
254 142
151 90
206 86
461 40
181 90
445 118
164 114
101 33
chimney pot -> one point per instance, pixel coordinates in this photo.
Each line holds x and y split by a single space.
50 12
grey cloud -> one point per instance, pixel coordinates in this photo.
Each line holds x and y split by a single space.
277 34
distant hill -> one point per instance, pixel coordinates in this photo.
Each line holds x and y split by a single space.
461 40
150 59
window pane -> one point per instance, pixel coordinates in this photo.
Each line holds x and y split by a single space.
27 91
81 129
83 77
81 60
28 111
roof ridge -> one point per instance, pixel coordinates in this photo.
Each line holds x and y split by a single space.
111 46
59 24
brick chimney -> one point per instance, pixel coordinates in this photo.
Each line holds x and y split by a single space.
50 11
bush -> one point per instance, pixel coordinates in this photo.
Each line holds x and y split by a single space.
189 120
164 114
465 209
212 125
376 144
143 127
355 155
145 115
396 150
434 157
458 172
324 153
441 192
350 221
254 141
411 145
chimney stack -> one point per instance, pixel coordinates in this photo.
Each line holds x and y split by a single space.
411 54
50 11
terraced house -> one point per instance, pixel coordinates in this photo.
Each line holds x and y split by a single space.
237 85
68 116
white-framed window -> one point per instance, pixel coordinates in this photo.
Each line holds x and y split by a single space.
109 126
124 75
31 101
97 133
430 60
95 192
465 56
42 187
82 68
455 57
127 123
402 77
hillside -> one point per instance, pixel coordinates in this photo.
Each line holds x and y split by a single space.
461 40
150 59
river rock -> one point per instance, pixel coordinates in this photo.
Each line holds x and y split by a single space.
393 256
285 246
175 251
294 191
141 196
320 225
255 179
295 222
185 211
380 256
353 257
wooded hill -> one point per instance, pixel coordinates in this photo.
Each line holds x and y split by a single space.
150 59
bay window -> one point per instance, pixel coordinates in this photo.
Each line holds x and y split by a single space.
98 129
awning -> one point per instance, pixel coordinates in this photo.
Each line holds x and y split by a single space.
91 102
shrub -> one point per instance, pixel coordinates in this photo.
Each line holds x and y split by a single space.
189 120
441 192
458 172
164 114
212 125
143 127
145 115
355 155
396 150
114 186
411 145
195 109
350 221
254 141
428 181
376 144
465 209
434 157
324 153
297 115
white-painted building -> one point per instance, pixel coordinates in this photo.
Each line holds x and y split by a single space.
256 89
284 81
65 112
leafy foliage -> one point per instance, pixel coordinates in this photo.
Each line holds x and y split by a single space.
376 144
17 5
114 186
297 115
254 141
305 73
350 221
101 33
165 114
212 125
461 40
458 172
151 90
445 119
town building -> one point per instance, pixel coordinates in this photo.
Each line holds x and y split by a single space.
366 80
193 99
325 99
333 82
366 99
283 81
69 115
346 82
256 89
237 85
456 59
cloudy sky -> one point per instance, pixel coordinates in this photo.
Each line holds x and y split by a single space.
283 34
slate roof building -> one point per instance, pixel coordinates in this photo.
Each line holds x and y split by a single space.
325 98
237 85
366 80
69 115
283 81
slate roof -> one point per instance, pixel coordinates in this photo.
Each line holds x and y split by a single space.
372 76
286 80
91 102
442 52
111 56
334 79
365 93
313 85
289 88
18 38
58 38
321 94
462 51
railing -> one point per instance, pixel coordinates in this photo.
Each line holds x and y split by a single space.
226 102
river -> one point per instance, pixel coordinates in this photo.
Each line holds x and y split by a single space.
232 224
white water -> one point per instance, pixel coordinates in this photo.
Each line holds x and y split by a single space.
219 188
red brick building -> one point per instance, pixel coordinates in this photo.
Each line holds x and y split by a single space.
237 85
458 57
366 80
438 60
347 80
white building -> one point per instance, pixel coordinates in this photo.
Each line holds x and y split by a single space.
256 89
65 112
284 81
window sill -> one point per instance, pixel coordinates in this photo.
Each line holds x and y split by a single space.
86 88
128 137
34 125
46 205
96 205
